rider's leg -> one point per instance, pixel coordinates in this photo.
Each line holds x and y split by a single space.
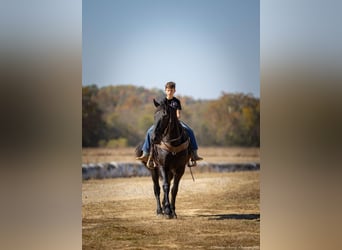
193 142
146 146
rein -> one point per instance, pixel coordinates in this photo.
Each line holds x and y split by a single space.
176 139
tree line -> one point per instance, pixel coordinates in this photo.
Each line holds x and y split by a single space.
118 116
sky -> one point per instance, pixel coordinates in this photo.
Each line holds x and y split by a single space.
207 47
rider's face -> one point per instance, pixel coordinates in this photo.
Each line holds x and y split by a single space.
169 93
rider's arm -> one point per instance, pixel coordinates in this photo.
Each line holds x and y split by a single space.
178 113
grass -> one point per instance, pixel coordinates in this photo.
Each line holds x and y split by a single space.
210 154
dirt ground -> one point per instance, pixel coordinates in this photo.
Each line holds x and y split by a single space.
217 211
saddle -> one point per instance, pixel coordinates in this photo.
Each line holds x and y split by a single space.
172 149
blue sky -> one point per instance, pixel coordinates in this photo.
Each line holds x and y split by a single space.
207 47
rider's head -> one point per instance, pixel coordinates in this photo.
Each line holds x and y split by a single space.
170 89
170 85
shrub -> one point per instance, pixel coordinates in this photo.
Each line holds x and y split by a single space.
117 143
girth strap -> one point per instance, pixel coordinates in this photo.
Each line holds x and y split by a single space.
173 149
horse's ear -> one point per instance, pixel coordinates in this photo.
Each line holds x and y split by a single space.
156 103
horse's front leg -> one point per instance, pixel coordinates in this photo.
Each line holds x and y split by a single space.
174 192
166 189
156 188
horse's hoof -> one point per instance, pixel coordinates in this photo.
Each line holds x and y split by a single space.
168 216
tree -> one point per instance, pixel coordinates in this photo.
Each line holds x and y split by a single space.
93 127
120 115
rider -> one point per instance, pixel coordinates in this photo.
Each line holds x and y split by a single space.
170 89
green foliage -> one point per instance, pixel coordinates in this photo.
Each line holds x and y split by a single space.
93 126
117 116
117 143
145 122
235 120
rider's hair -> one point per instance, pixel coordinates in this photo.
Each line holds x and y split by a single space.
170 85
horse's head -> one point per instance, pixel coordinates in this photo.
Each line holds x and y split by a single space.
162 118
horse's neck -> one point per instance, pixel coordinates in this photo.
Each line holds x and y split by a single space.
175 132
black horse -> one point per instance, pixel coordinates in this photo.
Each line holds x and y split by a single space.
170 154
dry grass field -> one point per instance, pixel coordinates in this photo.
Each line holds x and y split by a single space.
216 211
210 154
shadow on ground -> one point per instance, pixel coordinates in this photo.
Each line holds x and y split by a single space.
232 216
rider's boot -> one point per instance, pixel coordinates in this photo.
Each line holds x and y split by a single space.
143 157
195 156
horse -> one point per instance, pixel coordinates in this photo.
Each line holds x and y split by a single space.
170 153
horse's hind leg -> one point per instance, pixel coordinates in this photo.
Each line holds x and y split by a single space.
156 188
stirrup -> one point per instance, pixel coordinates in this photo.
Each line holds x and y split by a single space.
150 163
192 163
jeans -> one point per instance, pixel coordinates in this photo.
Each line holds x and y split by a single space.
147 143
